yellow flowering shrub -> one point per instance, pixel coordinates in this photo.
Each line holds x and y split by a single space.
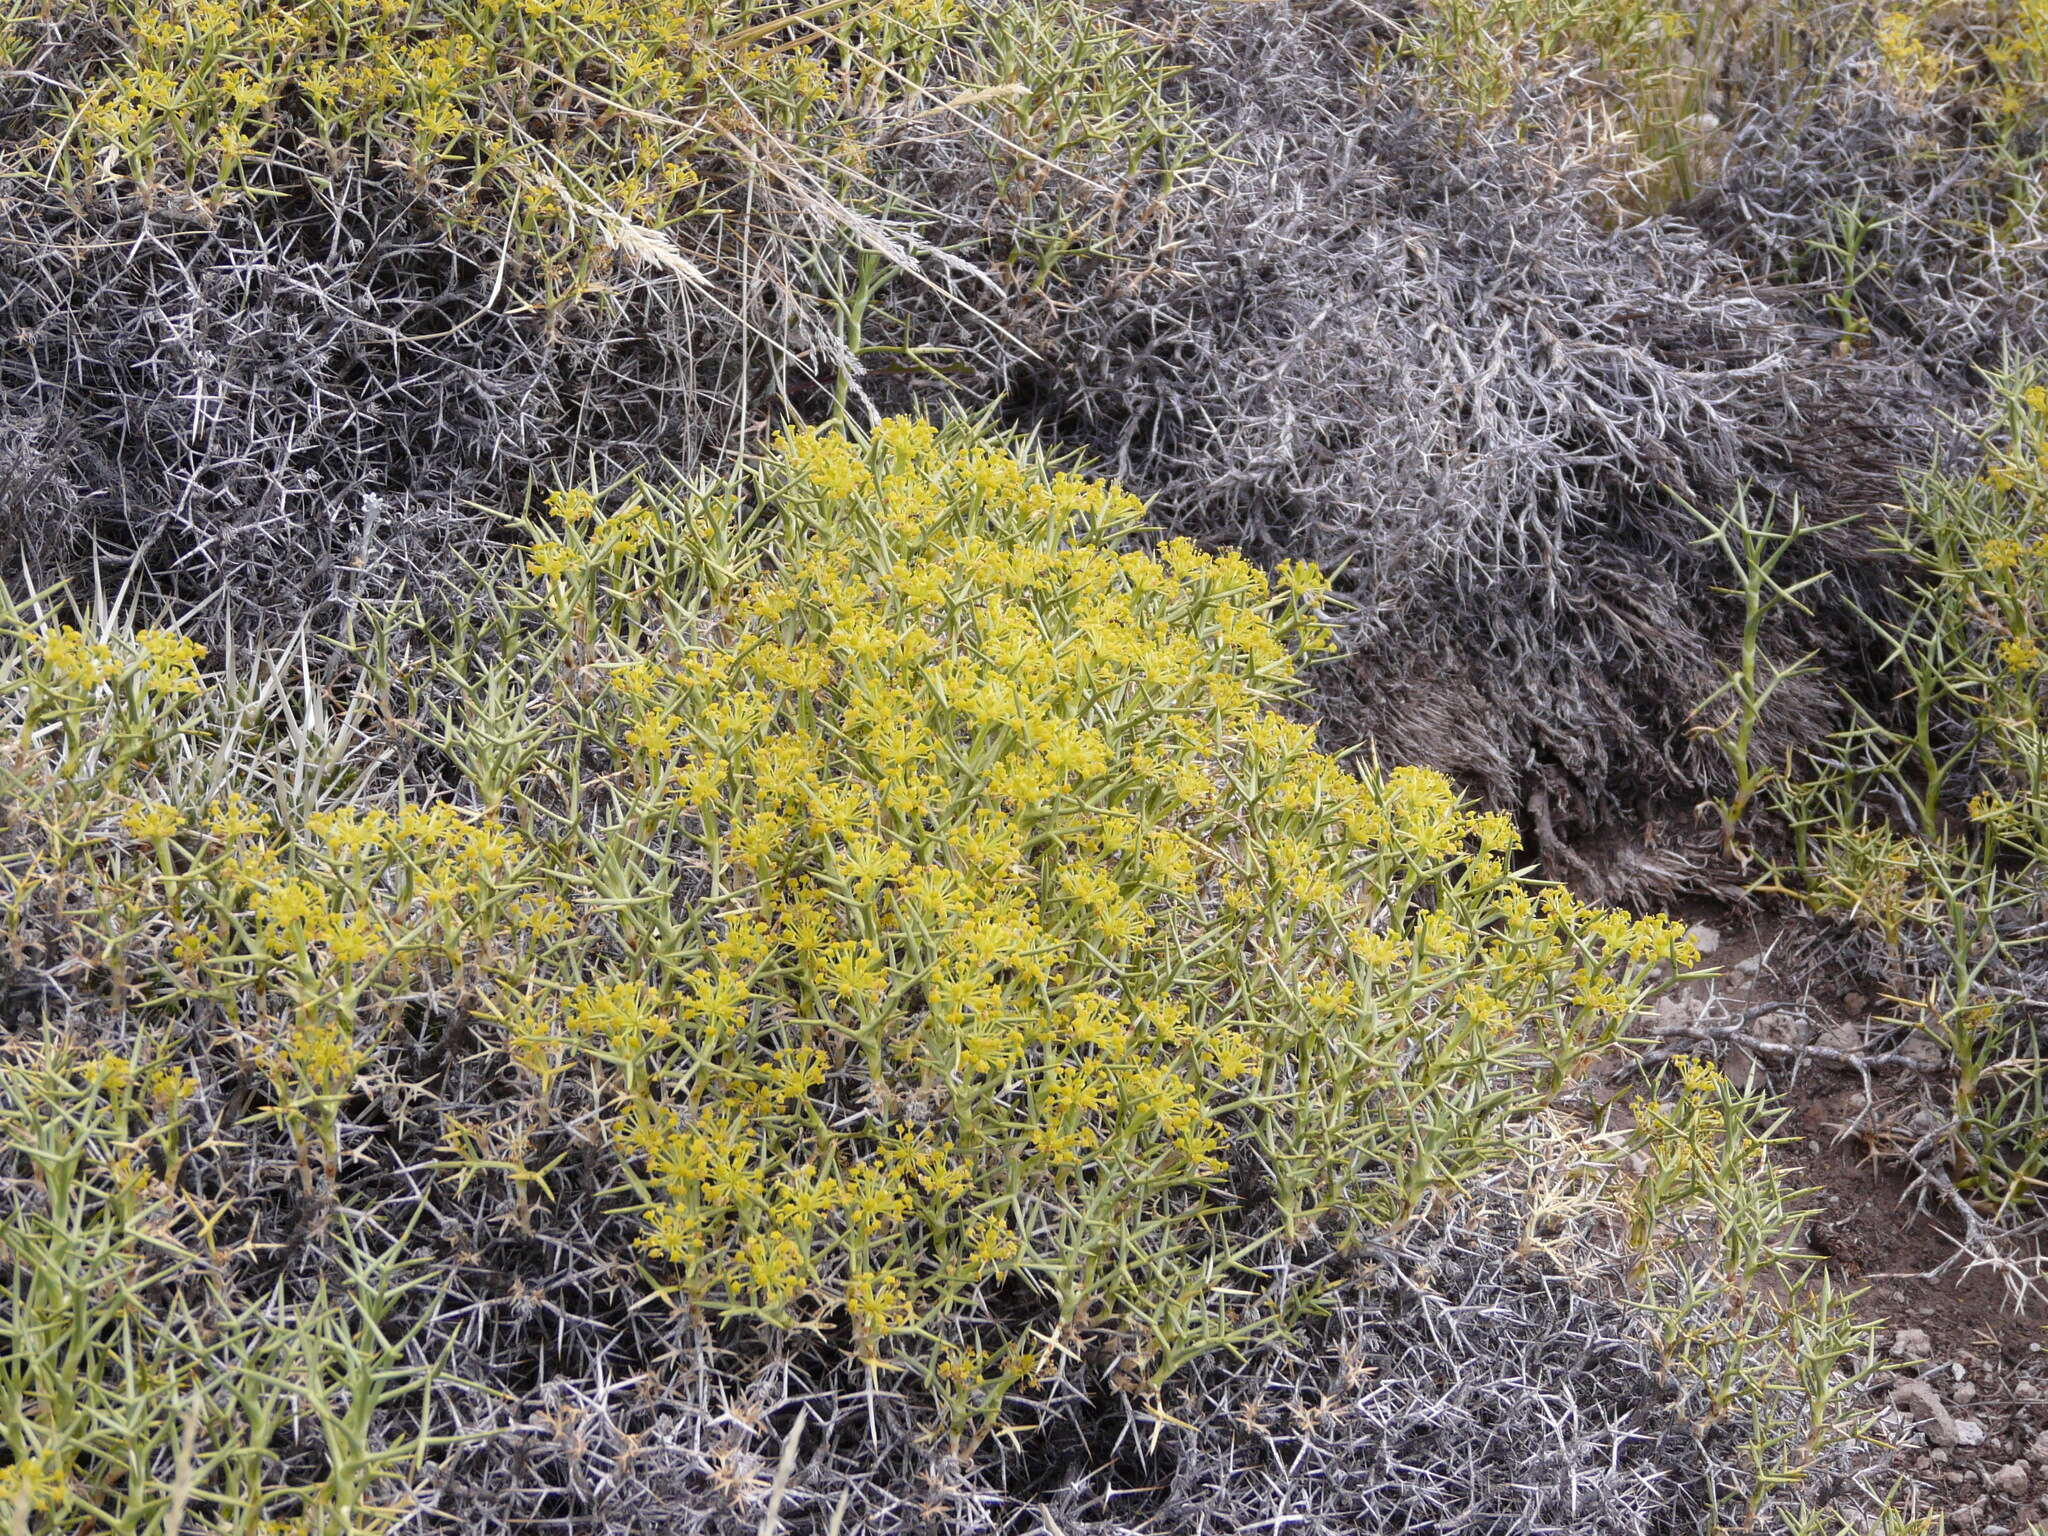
578 134
918 879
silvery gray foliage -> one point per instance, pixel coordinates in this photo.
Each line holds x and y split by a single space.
1432 351
303 399
1454 1390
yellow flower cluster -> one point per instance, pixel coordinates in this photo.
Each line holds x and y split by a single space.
929 893
33 1486
161 662
1914 66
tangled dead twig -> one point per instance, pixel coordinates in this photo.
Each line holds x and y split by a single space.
1737 1032
2008 1250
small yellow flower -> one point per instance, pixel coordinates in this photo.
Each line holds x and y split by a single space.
352 942
717 1002
575 505
324 1056
35 1486
853 972
81 662
2001 554
674 1233
774 1267
1331 996
110 1072
2021 655
170 1086
992 1244
551 559
879 1304
654 732
170 661
152 821
348 832
1230 1053
191 948
1305 580
1381 951
235 817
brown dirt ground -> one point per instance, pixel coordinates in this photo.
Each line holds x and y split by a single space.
1965 1391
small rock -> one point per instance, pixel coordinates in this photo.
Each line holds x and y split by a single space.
1674 1012
1966 1517
1750 966
1788 1028
1966 1393
1968 1433
2039 1449
1855 1002
1912 1344
1842 1037
1918 1399
1704 939
2010 1479
1921 1051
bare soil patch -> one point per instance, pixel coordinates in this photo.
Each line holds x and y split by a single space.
1963 1389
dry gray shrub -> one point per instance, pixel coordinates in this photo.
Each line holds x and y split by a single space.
1432 351
308 399
1456 1389
1922 224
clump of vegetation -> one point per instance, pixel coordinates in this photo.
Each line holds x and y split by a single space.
1511 408
925 891
1924 823
844 996
294 286
578 134
862 907
140 1388
1897 179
